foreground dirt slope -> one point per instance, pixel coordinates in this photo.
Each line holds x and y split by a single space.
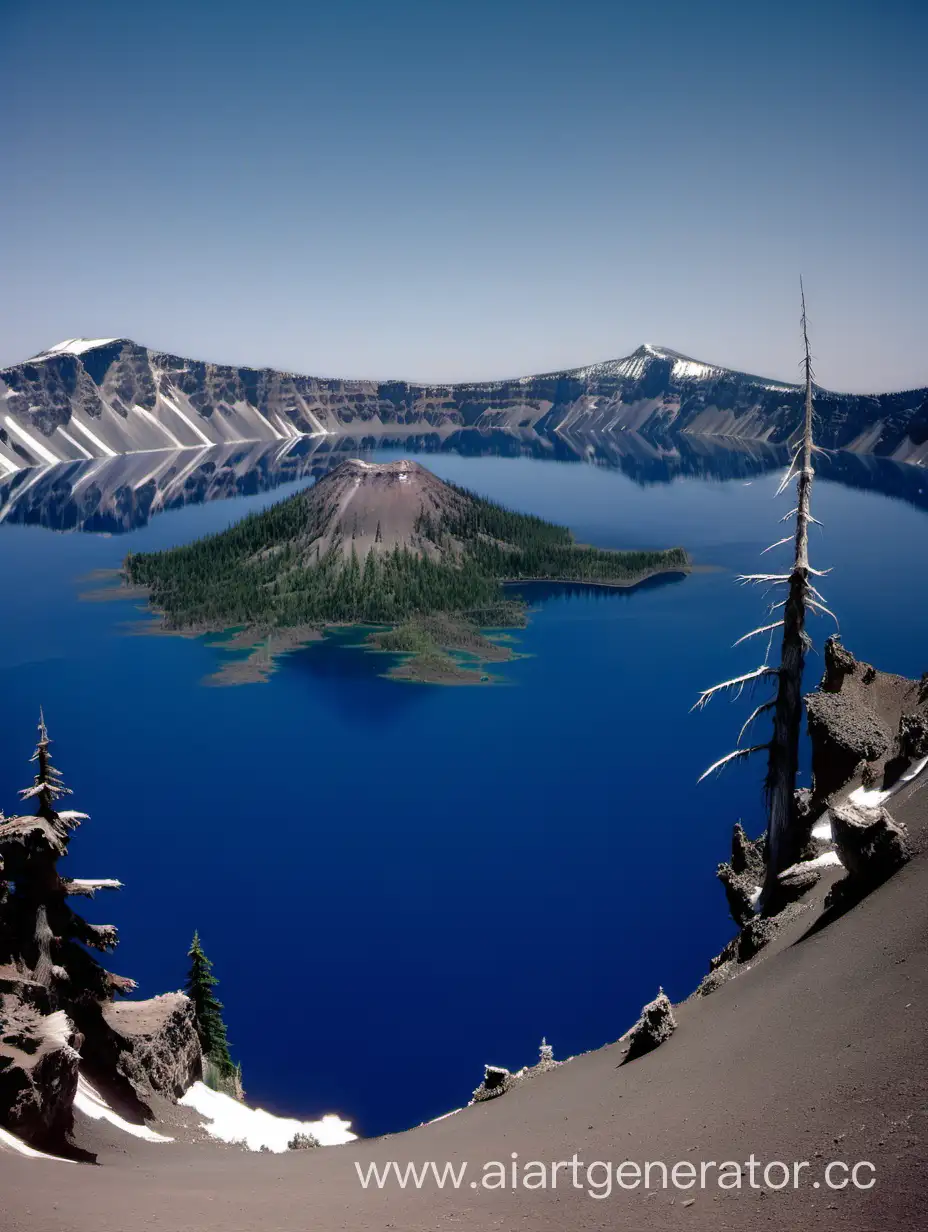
819 1052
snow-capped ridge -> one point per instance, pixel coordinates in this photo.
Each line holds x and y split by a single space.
74 346
89 398
684 367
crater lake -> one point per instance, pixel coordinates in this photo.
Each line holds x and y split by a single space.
398 883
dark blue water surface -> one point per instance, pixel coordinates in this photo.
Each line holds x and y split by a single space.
396 882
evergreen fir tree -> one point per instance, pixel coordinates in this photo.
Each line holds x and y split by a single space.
208 1008
39 933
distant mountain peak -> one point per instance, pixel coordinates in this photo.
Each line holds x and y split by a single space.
658 352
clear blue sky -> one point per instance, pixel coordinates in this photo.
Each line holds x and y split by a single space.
442 190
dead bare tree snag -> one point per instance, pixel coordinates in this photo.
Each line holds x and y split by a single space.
787 829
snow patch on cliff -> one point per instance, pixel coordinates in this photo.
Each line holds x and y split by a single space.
89 1101
75 346
684 369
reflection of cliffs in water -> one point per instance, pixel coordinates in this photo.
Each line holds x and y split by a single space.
113 495
538 592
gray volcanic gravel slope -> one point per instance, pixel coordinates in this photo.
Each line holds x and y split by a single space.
818 1052
89 398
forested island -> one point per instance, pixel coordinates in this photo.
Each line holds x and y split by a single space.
382 544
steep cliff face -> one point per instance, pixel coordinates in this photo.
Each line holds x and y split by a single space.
152 1045
96 398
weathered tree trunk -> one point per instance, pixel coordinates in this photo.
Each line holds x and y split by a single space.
787 831
786 836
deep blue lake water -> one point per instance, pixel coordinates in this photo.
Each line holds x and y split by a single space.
398 883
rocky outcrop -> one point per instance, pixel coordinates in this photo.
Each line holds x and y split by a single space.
913 735
653 1028
863 724
839 663
744 875
56 1000
497 1080
152 1045
86 397
38 1071
867 727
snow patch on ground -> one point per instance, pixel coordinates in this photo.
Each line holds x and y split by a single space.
874 797
231 1121
868 799
89 1101
9 1142
822 830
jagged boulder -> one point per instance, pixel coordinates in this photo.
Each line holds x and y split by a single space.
496 1081
913 735
869 843
795 881
655 1025
153 1045
720 974
743 875
838 664
38 1072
